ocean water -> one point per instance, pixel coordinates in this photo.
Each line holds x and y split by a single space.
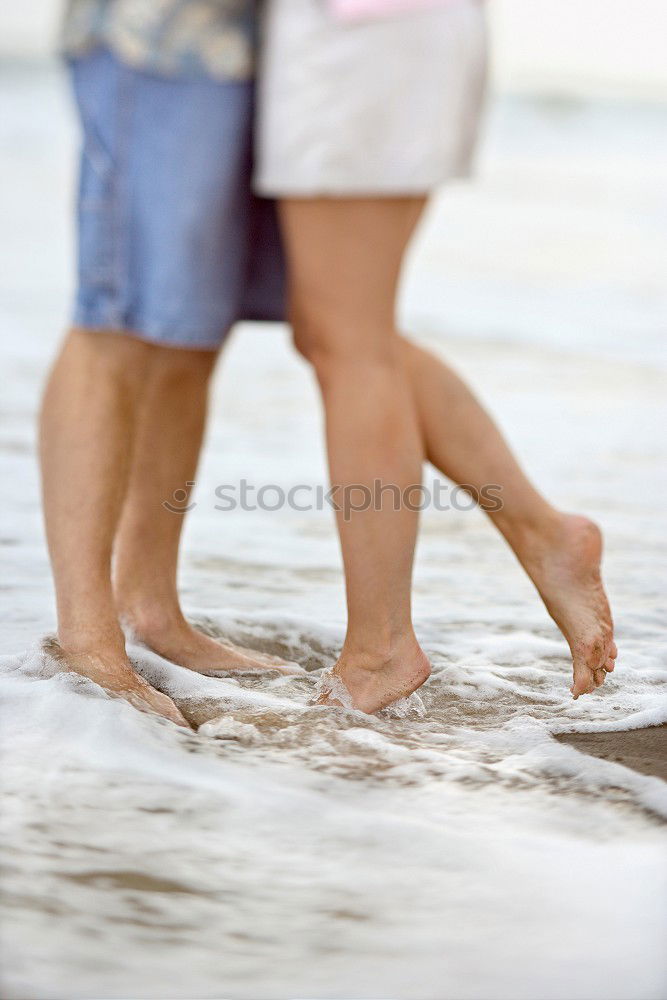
286 850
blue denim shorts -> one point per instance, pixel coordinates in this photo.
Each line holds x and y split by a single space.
174 246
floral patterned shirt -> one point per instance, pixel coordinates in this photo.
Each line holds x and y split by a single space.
194 38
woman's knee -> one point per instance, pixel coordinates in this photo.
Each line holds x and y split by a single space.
312 330
333 339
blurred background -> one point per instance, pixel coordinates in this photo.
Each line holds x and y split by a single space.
593 47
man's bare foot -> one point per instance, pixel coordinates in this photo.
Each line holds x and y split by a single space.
565 568
114 672
176 640
372 683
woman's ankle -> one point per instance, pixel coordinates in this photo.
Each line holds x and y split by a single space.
379 650
540 528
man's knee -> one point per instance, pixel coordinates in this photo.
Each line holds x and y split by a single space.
120 354
181 367
108 353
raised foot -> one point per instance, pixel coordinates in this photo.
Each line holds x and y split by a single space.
114 672
180 643
566 572
370 684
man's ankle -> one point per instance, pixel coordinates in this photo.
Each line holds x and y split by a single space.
150 618
92 641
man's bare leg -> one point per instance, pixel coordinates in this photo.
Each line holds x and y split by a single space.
560 552
344 260
87 427
170 429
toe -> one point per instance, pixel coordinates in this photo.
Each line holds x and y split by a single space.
171 711
583 682
609 665
157 701
588 671
291 669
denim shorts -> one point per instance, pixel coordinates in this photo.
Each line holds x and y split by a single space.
173 245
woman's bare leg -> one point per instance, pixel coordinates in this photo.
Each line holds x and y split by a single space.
170 430
344 260
560 552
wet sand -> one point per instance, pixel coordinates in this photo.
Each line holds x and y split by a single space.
643 750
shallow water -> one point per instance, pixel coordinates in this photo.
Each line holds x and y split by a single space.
287 850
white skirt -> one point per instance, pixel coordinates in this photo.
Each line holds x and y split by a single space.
384 106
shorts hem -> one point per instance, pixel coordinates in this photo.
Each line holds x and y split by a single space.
149 333
268 187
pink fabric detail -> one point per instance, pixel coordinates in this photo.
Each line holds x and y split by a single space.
349 10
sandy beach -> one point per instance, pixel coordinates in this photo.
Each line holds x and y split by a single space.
469 846
644 750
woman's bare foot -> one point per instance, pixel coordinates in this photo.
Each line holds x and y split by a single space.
372 683
564 565
113 671
176 640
